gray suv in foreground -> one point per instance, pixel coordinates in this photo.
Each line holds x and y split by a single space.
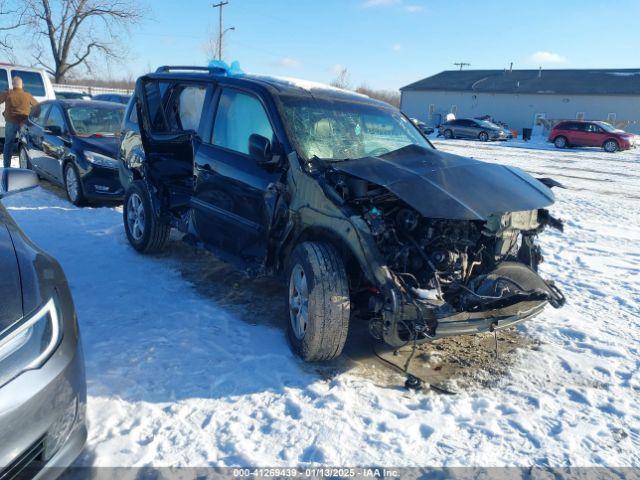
42 380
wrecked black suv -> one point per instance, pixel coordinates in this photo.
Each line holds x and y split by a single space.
343 197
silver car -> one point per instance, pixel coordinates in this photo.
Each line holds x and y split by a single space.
482 130
42 380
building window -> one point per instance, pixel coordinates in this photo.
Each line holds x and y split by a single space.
454 109
611 117
580 116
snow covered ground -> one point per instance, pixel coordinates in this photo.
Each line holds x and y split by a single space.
178 377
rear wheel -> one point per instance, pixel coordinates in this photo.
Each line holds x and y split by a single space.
145 231
483 136
318 302
73 186
448 134
611 146
560 142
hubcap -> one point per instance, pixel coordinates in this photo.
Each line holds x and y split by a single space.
24 161
560 142
135 216
72 184
298 302
483 137
610 146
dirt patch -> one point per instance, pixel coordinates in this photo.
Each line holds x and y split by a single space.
467 362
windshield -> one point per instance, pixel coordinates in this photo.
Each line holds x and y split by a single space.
87 120
607 127
338 130
487 124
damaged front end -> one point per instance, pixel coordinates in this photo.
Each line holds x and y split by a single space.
458 258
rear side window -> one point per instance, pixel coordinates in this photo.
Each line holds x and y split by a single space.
239 116
4 80
56 119
33 82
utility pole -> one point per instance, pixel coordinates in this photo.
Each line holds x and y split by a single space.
462 65
220 30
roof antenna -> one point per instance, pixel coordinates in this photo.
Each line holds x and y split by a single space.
462 65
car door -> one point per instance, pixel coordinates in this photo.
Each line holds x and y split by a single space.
577 134
594 136
54 143
464 128
229 202
34 136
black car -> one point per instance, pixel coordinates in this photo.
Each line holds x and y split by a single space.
343 197
42 379
66 95
74 143
112 97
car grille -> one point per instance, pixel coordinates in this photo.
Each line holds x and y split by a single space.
27 465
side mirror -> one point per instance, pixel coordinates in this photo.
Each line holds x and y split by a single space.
14 180
53 130
260 151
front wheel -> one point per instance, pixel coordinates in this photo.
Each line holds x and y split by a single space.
448 134
483 136
24 158
145 231
611 146
318 302
73 186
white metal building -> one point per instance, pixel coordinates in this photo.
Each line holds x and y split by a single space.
519 97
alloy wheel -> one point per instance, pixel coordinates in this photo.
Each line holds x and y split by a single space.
73 184
24 160
484 136
610 146
298 301
560 142
135 217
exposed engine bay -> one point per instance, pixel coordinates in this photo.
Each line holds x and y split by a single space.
450 268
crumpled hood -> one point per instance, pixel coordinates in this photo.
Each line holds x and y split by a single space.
10 288
441 185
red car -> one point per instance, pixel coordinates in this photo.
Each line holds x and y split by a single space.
591 134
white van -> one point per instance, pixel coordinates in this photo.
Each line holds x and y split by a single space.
36 82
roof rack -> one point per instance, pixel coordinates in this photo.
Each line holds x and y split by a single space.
183 68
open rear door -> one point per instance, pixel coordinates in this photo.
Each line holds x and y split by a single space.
168 144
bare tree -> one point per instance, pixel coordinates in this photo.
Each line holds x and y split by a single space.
75 32
342 80
12 18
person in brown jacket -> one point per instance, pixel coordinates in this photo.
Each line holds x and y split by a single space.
17 107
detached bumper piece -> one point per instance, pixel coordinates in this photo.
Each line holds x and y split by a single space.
510 294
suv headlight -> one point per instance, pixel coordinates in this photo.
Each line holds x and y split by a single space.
29 344
101 160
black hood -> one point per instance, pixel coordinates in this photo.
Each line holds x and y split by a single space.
10 287
104 145
441 185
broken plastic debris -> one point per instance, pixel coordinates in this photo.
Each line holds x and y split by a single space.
426 294
233 69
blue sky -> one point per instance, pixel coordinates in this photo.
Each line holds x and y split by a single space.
390 43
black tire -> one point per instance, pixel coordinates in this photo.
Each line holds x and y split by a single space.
77 198
448 134
483 136
610 146
561 142
328 304
152 233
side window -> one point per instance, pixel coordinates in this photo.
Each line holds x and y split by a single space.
154 95
56 119
39 113
33 82
238 117
4 80
190 105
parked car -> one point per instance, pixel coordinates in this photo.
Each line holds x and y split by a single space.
343 197
591 134
482 130
423 127
66 95
74 144
113 97
35 80
42 380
